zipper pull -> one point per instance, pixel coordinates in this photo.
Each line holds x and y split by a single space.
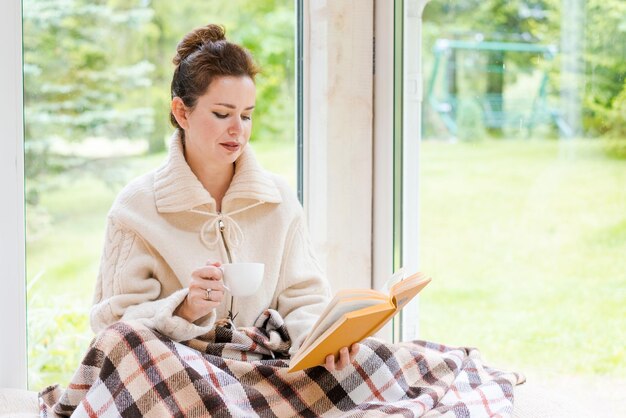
221 225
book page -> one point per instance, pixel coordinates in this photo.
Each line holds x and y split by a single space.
404 291
395 278
339 306
342 294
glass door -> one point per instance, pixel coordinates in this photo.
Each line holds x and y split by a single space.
96 106
523 185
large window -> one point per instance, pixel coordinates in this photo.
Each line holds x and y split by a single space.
96 78
523 183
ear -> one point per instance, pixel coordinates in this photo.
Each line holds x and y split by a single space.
179 110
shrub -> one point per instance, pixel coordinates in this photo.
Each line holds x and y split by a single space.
59 337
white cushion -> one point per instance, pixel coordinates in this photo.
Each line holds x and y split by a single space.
534 400
16 403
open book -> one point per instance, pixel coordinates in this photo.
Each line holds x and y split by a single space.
351 316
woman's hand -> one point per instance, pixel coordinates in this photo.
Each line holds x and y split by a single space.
206 292
345 357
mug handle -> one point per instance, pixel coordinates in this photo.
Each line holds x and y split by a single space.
223 284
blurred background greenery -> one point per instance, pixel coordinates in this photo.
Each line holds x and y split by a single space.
523 227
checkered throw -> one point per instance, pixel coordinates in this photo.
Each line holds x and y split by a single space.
131 371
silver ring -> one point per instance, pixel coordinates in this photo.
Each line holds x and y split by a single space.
208 294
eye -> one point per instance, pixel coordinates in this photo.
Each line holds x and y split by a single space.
220 115
246 117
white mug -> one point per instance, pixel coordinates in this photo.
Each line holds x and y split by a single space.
242 279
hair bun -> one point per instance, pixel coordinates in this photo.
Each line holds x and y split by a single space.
196 38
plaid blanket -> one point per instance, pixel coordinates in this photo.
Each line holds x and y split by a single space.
131 371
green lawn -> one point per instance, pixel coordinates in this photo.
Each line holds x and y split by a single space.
525 241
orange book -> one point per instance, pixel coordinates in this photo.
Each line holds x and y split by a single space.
353 315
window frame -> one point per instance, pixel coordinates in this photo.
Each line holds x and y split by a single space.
397 109
13 356
411 137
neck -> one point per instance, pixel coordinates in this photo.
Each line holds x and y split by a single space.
215 179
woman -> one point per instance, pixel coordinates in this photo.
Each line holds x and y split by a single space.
209 201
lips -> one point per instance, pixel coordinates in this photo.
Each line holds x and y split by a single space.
231 146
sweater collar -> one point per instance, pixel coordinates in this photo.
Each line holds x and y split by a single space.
178 189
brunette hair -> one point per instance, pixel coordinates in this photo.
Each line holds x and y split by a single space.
201 56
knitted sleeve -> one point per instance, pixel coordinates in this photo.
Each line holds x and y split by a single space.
127 289
305 290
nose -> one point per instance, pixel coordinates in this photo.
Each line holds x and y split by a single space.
236 127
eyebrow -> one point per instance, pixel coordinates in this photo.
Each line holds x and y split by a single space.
230 106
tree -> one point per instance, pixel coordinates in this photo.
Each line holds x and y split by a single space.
79 80
265 27
605 65
496 20
603 58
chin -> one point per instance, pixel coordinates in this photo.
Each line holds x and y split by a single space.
234 156
237 154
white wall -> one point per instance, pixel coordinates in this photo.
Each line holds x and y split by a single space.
13 294
338 101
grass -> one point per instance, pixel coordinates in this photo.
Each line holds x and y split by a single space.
525 241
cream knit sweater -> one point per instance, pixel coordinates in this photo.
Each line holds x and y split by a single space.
164 225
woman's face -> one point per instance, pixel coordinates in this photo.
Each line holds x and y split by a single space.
219 126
